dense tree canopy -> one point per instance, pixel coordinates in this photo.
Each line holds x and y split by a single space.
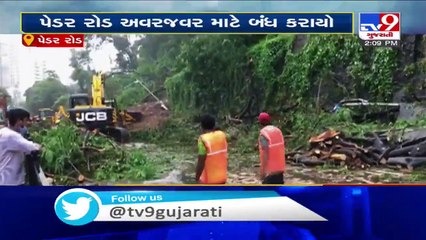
43 94
242 75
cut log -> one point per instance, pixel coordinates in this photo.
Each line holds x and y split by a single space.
367 159
311 161
419 150
347 151
385 154
290 154
409 162
413 142
338 156
374 155
360 141
400 152
376 151
378 143
346 144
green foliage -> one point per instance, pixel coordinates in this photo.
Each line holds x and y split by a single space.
218 74
114 85
269 59
135 167
43 94
131 96
376 76
65 151
212 73
61 101
82 74
123 88
325 61
210 78
61 146
157 57
176 131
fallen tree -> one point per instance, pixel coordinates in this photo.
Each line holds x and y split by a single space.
374 149
333 147
72 156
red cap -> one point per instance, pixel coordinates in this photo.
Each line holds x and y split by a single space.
264 118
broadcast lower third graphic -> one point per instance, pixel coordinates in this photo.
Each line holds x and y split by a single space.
80 206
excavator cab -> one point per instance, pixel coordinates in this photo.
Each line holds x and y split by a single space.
95 112
46 115
79 100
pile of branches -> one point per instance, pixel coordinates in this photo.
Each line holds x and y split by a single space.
333 147
73 153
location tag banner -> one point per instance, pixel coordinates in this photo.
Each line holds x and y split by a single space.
80 206
27 39
53 40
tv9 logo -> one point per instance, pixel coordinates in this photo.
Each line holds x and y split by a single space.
380 26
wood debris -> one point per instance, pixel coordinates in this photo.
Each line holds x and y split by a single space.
333 147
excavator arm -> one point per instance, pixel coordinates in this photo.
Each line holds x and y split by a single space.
95 112
98 94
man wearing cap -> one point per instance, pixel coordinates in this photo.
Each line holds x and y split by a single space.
272 152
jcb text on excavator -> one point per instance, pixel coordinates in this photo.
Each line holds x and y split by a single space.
96 112
92 117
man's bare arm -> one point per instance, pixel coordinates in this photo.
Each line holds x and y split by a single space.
200 166
201 161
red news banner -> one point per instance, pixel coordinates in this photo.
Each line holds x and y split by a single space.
53 40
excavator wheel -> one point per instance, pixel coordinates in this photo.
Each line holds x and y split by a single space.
120 135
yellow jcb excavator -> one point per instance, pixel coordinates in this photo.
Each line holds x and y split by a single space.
96 112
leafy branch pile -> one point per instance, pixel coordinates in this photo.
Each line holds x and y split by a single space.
71 155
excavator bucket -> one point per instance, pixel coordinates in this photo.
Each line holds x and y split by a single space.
120 135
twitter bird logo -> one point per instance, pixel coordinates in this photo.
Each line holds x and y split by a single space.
77 206
77 210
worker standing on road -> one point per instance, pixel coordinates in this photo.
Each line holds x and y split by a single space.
14 147
212 166
272 152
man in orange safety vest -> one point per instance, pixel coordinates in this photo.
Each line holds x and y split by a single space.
272 152
212 166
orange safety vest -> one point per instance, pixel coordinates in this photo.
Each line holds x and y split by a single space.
216 166
276 157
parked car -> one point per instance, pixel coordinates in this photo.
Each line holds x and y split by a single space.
363 110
